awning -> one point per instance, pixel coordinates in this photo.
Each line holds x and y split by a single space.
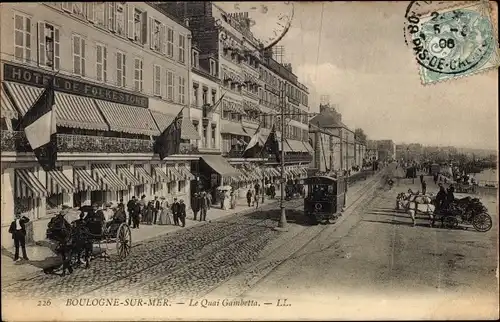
7 109
57 183
233 128
127 176
128 119
143 175
82 180
294 146
107 178
71 110
174 174
220 165
188 131
159 174
308 146
186 174
28 185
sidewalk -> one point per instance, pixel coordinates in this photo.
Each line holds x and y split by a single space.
43 256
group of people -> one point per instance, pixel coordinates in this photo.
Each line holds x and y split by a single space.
253 195
156 211
444 197
201 202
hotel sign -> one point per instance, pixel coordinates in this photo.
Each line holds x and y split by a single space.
62 84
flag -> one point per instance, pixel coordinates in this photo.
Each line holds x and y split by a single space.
39 125
214 107
272 145
254 146
169 141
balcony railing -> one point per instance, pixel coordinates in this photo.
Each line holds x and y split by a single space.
305 157
16 141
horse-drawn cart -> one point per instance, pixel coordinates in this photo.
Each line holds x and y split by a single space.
464 188
468 211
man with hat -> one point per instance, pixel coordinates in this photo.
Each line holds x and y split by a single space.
64 249
175 211
18 230
182 212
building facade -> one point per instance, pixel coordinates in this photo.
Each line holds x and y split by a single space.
386 150
121 74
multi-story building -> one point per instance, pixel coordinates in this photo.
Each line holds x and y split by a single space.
371 150
360 153
326 145
386 150
121 76
330 119
244 74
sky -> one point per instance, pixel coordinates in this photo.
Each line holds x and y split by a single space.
356 54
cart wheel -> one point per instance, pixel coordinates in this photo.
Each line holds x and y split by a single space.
482 222
450 222
123 241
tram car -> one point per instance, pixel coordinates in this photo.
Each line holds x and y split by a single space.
325 198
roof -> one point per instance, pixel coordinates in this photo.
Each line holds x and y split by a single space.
314 128
328 120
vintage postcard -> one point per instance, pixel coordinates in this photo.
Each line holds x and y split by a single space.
266 160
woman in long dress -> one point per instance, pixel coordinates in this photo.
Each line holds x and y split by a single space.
165 213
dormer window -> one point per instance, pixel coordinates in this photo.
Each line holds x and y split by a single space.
213 67
195 58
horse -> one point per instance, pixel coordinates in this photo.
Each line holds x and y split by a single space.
414 203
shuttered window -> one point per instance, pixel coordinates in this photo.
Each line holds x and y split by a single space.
79 55
138 74
22 37
157 80
170 85
102 63
170 42
120 69
48 46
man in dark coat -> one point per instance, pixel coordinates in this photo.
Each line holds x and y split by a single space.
175 211
182 212
136 213
440 198
203 207
18 230
195 205
130 209
424 187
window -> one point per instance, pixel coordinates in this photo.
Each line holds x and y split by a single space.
138 23
181 186
195 94
195 59
78 55
120 19
205 96
170 42
155 34
102 62
205 137
138 74
22 38
120 69
111 15
170 85
214 95
213 68
213 136
78 9
99 16
48 45
157 80
182 90
182 48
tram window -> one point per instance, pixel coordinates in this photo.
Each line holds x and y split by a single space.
330 189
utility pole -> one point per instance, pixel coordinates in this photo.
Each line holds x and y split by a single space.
282 225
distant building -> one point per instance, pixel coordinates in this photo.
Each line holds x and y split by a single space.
386 150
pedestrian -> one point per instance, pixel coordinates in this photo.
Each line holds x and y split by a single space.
195 205
424 187
209 200
136 214
121 204
272 189
249 197
203 207
149 213
18 231
421 178
175 211
130 209
182 212
222 197
156 209
435 178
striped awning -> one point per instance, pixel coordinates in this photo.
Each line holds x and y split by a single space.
143 175
128 119
188 131
83 181
57 183
173 173
127 176
71 110
186 174
308 146
235 128
28 185
107 178
160 175
7 109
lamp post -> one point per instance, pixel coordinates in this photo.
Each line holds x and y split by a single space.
282 225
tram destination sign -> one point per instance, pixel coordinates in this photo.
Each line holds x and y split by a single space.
32 77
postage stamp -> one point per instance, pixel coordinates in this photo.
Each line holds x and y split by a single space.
452 42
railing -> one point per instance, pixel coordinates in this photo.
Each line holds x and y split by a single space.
288 158
16 141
